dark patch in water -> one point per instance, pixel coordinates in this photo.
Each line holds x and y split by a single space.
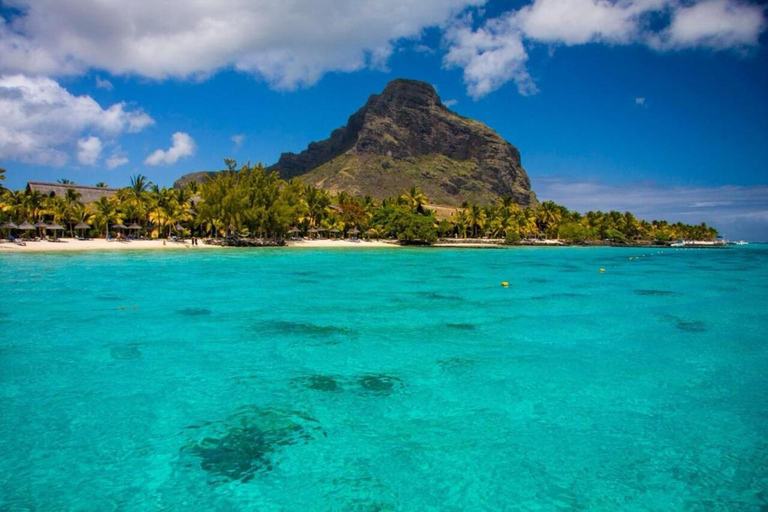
245 444
685 324
307 281
125 352
310 330
440 296
322 383
655 292
462 327
691 326
380 384
111 298
195 311
564 295
538 280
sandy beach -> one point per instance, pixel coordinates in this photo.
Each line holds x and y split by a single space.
340 243
100 244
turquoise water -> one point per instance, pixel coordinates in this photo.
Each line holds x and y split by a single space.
385 380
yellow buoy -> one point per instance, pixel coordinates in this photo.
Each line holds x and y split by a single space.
504 284
602 271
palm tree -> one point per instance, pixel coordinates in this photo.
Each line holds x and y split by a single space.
106 213
549 216
101 184
65 181
476 217
415 199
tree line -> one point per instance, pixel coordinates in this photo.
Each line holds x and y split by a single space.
252 202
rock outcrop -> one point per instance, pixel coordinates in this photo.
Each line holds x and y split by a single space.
405 136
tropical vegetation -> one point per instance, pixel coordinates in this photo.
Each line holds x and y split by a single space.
252 202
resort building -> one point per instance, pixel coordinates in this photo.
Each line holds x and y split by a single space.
87 193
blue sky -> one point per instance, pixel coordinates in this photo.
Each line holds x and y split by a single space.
658 106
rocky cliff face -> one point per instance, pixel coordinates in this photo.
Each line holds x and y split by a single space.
405 136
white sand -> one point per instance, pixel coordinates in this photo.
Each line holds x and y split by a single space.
340 243
100 244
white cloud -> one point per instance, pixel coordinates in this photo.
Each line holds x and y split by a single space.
495 53
40 121
290 43
103 83
737 211
640 101
490 56
717 24
117 158
237 139
116 161
451 103
573 22
89 150
183 146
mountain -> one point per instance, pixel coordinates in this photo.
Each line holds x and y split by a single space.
405 136
198 176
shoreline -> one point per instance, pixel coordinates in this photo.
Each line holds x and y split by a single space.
100 244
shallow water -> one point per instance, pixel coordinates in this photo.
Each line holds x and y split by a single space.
384 380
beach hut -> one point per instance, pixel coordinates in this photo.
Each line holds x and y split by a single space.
134 227
372 232
119 225
335 232
55 227
10 226
26 227
294 232
353 233
41 226
82 227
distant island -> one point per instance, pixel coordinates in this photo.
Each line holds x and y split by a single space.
403 168
252 203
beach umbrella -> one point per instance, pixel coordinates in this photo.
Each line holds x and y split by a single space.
178 227
119 225
26 226
313 230
55 227
82 225
10 225
41 226
353 231
134 226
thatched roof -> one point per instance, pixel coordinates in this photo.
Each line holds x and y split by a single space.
87 194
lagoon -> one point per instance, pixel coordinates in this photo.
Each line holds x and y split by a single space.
403 379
